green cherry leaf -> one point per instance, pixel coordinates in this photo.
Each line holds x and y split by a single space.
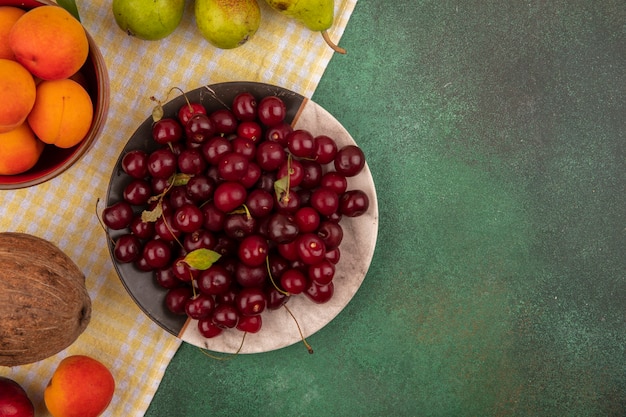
180 179
281 187
70 6
201 259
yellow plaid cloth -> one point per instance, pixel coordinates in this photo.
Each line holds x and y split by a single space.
63 210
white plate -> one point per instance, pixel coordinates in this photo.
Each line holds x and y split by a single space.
279 329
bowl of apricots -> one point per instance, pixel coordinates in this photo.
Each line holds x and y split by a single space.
54 90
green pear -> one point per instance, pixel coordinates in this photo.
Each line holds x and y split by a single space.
148 19
227 24
316 15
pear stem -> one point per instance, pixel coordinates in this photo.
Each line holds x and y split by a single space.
333 45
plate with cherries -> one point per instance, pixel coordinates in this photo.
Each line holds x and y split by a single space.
242 217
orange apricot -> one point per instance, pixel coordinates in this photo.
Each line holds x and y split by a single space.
17 94
19 150
49 42
81 386
8 17
62 113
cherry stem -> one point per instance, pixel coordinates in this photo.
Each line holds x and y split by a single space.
230 355
309 348
333 45
102 224
269 272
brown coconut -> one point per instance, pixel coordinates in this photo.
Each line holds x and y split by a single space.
44 305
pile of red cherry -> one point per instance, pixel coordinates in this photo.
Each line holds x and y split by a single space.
236 211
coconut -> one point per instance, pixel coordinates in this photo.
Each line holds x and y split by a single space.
44 304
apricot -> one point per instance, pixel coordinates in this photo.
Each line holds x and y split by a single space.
49 42
8 17
17 94
62 113
81 386
19 150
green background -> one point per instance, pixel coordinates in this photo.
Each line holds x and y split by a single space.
495 132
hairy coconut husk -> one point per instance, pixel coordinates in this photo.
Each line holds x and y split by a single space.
44 305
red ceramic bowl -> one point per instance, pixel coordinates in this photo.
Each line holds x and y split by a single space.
53 160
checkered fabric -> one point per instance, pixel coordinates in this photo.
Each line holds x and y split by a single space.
63 210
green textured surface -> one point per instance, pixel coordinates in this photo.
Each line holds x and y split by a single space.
495 132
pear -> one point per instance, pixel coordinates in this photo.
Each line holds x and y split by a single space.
148 19
227 24
316 15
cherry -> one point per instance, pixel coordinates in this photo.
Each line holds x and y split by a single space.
310 248
349 160
165 229
157 253
214 148
229 195
331 234
224 121
239 225
253 250
191 162
183 271
118 215
325 201
188 218
207 329
127 248
278 133
167 130
325 149
188 110
275 298
282 228
165 278
245 147
292 168
260 203
333 255
251 177
137 192
179 197
225 316
214 280
320 294
199 307
250 130
141 229
307 219
244 106
251 301
270 155
213 217
301 143
334 181
322 272
199 128
162 163
200 187
293 281
312 174
176 299
199 239
288 250
232 166
271 111
135 164
250 276
250 324
353 203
